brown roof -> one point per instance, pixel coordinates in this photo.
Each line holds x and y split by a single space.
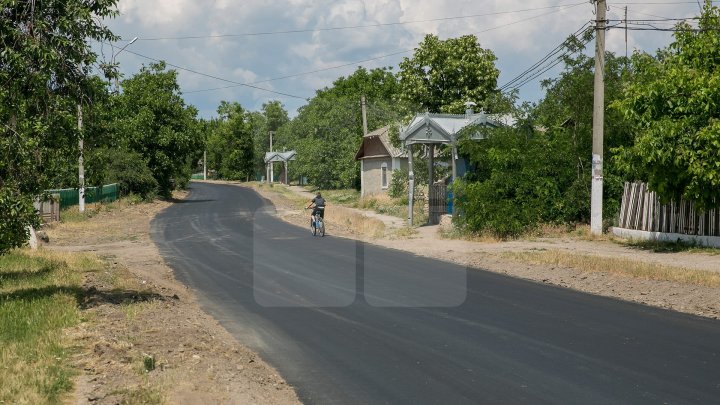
382 135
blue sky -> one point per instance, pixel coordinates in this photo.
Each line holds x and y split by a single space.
519 33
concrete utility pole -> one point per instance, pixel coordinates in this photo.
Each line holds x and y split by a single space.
364 115
411 185
271 163
81 167
596 197
204 165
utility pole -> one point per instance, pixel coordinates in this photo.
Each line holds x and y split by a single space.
596 196
272 175
364 115
81 167
411 185
205 165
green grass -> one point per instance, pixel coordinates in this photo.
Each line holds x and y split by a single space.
667 247
348 197
39 294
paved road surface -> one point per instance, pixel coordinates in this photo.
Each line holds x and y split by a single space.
346 322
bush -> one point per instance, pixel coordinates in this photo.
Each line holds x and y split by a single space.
127 168
398 183
16 214
483 210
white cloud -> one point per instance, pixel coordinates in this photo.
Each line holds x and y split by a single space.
516 43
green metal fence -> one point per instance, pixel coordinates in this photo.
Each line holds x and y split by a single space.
69 196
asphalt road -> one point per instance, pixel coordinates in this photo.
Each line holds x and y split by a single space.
346 322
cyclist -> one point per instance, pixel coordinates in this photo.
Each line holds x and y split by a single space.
319 207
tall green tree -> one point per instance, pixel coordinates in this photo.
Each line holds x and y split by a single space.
674 104
45 72
327 131
444 74
156 123
231 142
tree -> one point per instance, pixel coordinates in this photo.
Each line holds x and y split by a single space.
231 142
45 72
673 103
156 123
444 74
565 113
271 118
327 131
538 171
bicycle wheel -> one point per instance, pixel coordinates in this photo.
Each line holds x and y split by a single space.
322 228
313 229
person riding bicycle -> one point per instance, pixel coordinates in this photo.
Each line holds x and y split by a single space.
319 207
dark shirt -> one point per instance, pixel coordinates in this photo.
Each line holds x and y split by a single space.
319 201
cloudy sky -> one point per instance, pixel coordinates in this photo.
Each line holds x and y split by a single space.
294 47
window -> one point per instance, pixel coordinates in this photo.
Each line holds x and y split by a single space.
383 176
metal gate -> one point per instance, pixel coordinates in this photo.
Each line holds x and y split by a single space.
437 203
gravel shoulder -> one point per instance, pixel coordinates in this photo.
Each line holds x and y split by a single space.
147 340
500 257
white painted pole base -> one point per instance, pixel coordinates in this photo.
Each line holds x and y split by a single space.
596 197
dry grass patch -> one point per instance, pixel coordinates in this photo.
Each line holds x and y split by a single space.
618 266
358 223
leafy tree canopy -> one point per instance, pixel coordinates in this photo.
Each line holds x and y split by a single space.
158 125
444 74
674 104
44 70
328 130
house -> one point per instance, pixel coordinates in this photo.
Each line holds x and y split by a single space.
378 159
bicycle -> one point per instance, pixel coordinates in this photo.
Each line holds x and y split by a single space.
317 224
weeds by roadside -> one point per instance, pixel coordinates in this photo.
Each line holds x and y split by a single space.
617 266
667 247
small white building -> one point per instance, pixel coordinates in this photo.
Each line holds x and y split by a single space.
378 159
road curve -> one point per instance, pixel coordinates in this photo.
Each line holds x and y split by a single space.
352 323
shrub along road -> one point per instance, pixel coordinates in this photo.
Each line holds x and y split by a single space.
348 322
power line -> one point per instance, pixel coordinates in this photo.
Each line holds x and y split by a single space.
537 64
306 73
671 3
216 77
381 56
556 62
298 31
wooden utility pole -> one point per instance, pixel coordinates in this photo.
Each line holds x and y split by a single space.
596 196
81 166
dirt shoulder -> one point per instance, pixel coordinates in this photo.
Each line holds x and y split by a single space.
517 258
145 339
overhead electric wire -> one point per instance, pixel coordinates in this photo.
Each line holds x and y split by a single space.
537 64
566 7
308 30
544 69
304 73
216 77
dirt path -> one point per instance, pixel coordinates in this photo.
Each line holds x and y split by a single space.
493 256
150 342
